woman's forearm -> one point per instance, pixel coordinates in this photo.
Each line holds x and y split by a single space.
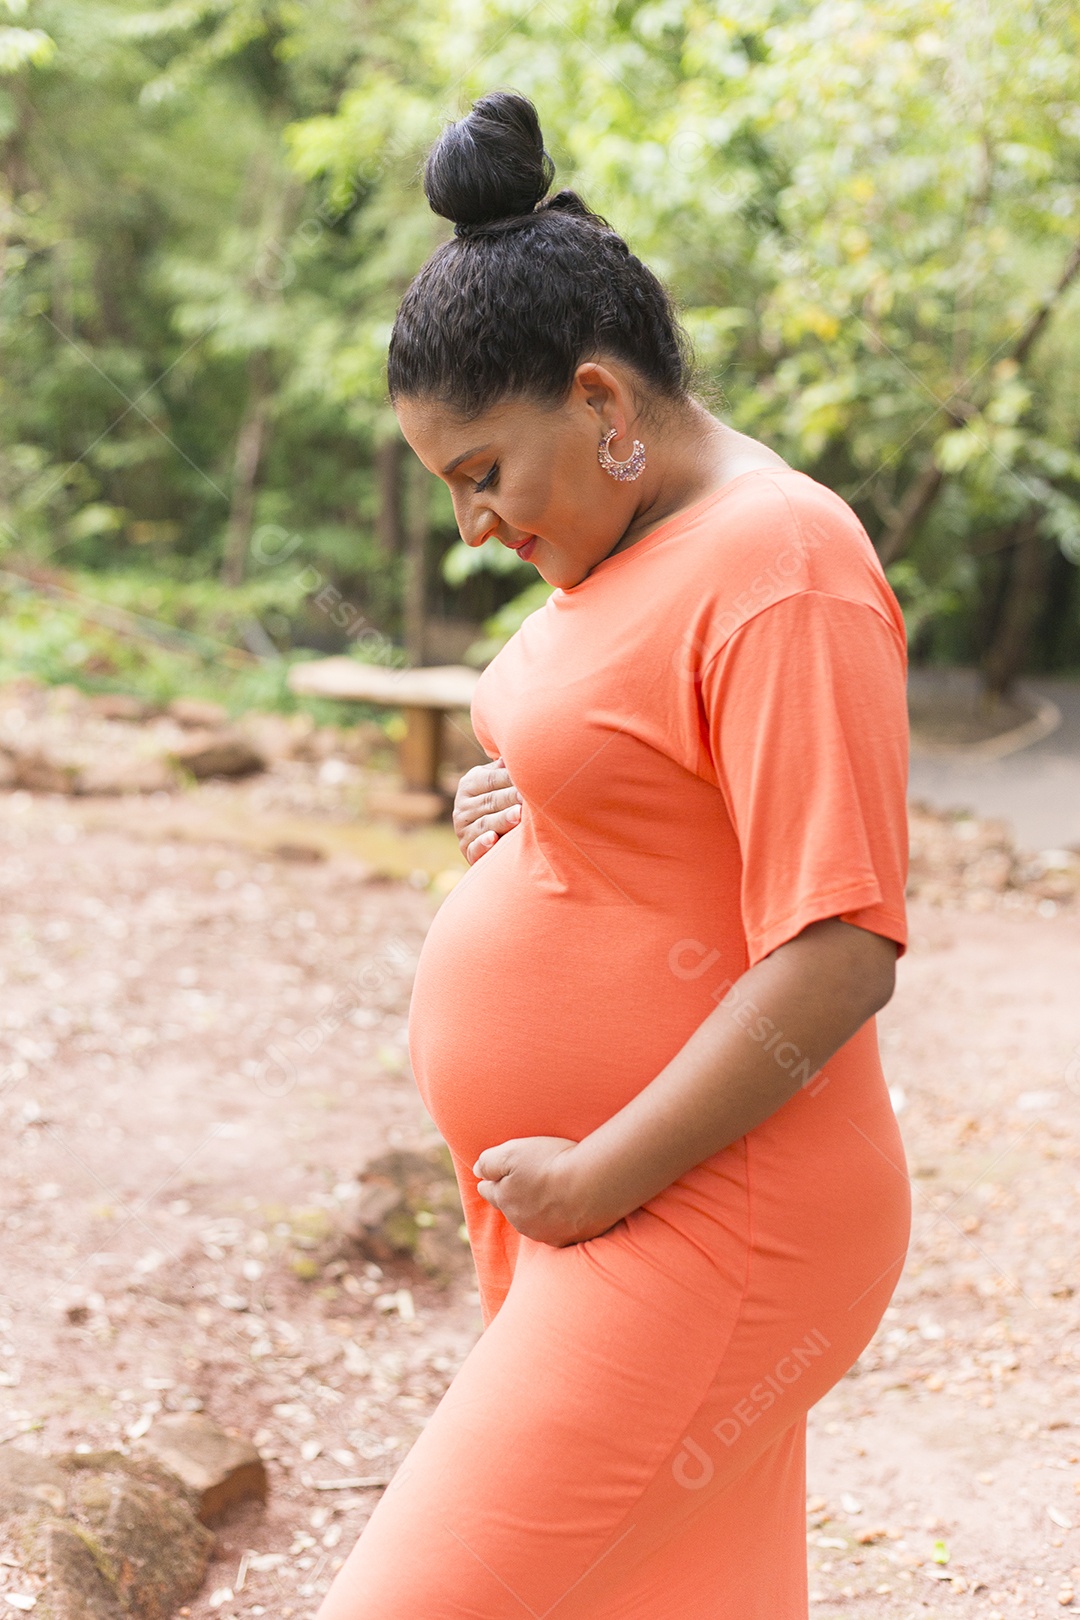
813 994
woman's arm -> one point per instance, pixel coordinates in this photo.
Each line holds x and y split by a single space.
814 993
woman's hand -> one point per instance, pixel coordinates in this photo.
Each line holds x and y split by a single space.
533 1181
486 805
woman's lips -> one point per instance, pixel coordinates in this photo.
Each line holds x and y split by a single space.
525 551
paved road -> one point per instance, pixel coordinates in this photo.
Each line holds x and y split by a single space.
1037 790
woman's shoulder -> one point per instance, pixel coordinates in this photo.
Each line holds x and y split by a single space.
774 533
772 510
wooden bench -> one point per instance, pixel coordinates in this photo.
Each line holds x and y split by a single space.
424 696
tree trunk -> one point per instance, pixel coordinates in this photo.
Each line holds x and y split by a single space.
416 544
262 288
910 513
249 448
389 518
1004 659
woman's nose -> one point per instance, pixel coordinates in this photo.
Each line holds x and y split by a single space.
478 527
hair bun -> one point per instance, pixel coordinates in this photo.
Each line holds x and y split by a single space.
491 164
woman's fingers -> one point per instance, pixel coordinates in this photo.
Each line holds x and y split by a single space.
487 804
479 846
485 832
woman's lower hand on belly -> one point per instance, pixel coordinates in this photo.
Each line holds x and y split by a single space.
818 989
534 1181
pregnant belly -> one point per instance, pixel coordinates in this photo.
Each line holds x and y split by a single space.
534 1013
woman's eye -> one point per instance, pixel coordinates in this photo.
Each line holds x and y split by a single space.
488 478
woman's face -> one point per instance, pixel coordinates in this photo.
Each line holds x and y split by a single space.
528 476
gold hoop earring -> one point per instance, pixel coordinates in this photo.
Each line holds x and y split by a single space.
624 471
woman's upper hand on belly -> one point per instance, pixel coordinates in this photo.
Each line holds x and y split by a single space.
533 1180
486 805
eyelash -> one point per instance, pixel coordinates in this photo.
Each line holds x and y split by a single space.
488 479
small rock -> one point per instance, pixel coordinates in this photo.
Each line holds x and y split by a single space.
210 753
77 1588
401 1301
37 772
141 1531
119 774
109 1536
119 706
197 713
279 736
409 1204
23 1477
219 1469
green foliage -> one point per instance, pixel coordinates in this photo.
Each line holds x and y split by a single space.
462 562
926 602
211 208
121 633
502 625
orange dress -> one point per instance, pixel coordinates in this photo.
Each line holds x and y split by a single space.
709 734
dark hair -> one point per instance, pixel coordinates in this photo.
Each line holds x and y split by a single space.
528 288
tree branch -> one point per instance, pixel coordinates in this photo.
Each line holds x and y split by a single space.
922 494
913 508
1034 327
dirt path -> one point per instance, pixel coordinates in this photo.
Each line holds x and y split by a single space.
177 1177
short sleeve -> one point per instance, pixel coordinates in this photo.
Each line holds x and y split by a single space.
806 714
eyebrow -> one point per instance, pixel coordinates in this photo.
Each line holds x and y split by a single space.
464 457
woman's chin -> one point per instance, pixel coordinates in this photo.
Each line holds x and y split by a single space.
560 573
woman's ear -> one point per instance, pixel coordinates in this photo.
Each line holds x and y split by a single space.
598 390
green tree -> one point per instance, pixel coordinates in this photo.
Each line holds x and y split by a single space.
870 214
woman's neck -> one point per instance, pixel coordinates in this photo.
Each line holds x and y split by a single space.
693 455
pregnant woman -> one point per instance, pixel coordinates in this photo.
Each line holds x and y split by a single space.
643 1021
